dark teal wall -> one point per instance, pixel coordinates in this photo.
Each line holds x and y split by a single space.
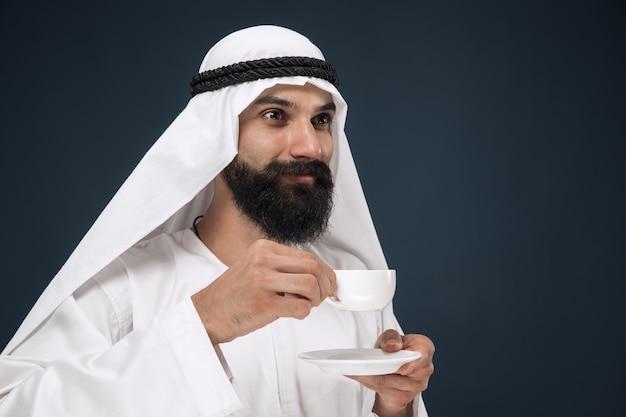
489 136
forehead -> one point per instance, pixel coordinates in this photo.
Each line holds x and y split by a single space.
298 95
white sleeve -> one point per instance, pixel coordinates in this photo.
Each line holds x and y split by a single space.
70 367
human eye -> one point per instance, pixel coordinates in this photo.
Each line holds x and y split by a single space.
322 120
273 115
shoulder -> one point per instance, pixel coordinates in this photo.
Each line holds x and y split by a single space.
159 250
165 242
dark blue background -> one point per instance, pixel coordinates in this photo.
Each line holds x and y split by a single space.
489 136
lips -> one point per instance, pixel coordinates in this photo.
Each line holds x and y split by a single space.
305 173
300 178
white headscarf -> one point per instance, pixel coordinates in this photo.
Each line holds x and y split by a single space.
173 183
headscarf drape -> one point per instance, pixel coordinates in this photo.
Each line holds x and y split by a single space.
173 182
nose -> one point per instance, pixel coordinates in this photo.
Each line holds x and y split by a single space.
305 142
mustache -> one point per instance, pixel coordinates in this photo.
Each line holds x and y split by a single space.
316 168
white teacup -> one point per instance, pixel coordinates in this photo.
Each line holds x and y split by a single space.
362 290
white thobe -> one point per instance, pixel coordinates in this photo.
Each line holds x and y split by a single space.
129 342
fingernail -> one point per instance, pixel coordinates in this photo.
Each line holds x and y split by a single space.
393 342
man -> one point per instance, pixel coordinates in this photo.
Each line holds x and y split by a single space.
158 314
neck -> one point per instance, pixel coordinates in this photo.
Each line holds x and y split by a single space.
224 229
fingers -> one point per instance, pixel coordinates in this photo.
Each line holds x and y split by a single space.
419 343
417 372
267 282
398 390
392 341
424 365
394 393
304 266
421 369
387 383
292 270
314 288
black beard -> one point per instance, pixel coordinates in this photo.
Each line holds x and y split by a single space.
286 213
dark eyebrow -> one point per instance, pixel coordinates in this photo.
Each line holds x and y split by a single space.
330 106
274 100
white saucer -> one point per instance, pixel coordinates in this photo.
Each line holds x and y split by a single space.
359 361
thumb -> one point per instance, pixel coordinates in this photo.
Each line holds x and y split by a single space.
389 341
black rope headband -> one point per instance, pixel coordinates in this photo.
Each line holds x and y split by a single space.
241 72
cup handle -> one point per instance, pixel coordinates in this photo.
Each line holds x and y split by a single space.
334 302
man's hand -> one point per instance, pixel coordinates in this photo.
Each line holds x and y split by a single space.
395 392
269 281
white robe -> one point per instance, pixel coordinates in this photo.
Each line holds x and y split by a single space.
130 343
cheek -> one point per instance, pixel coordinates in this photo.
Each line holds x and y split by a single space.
253 156
251 143
327 149
257 150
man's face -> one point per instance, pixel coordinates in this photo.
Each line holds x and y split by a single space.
280 179
287 122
